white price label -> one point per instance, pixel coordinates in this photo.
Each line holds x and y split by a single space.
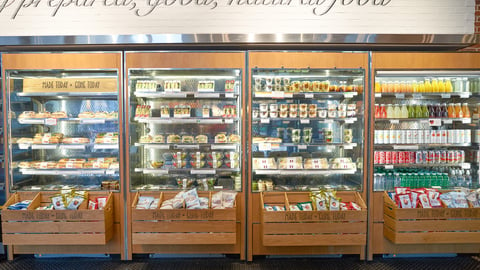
278 94
446 95
73 147
304 121
23 146
466 166
348 146
308 95
92 121
388 167
465 95
405 147
228 121
417 96
265 121
328 121
349 94
44 146
467 120
229 95
400 96
206 95
447 121
378 95
288 95
302 147
264 146
186 146
435 122
203 171
394 121
51 121
350 120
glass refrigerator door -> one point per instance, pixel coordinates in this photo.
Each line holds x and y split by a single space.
426 126
185 129
307 129
63 129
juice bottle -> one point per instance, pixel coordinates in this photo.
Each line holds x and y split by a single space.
390 87
431 111
383 111
434 85
377 87
421 87
408 87
397 113
465 110
418 111
458 110
404 113
444 110
377 111
396 87
438 110
403 87
384 87
428 86
441 85
390 111
448 85
415 87
451 111
425 112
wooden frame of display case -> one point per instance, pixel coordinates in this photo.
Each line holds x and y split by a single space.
73 61
377 243
190 60
299 60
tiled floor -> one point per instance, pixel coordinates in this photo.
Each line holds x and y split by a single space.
462 262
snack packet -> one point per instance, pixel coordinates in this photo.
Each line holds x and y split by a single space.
305 206
434 198
334 204
191 199
75 202
473 199
278 208
424 201
155 204
167 204
294 208
268 208
203 202
217 200
228 198
343 206
414 197
404 201
92 205
58 202
177 201
354 206
459 199
101 202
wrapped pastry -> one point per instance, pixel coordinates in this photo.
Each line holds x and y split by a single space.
191 199
158 139
86 115
173 138
75 140
59 114
221 138
157 164
233 138
187 139
201 139
146 139
290 163
25 141
26 114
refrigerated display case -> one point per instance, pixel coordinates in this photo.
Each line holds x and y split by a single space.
2 167
306 139
426 117
186 146
62 136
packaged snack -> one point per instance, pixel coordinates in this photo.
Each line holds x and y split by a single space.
58 203
74 203
414 197
217 199
278 208
268 208
203 202
459 199
305 206
155 204
402 190
434 198
191 199
228 198
334 204
354 206
473 199
343 206
320 201
101 202
20 205
405 201
92 205
424 201
168 204
294 208
177 201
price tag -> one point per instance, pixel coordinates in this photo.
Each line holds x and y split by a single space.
308 95
446 95
417 96
265 121
229 95
465 95
349 94
466 166
405 147
92 121
302 147
400 96
378 95
350 120
51 121
228 121
288 95
73 147
328 121
186 146
447 121
264 146
388 167
206 95
23 146
467 120
435 122
44 146
203 171
278 94
394 121
348 146
109 172
304 121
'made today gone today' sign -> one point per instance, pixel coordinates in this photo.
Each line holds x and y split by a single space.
122 17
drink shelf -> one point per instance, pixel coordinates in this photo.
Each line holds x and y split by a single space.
412 165
420 146
305 172
430 121
179 146
79 146
422 95
90 171
190 120
53 121
271 146
304 95
190 94
347 120
202 171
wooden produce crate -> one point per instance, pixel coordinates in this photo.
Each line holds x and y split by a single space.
56 227
183 226
430 226
312 228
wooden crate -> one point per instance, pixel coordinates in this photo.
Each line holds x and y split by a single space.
312 228
430 226
56 227
183 226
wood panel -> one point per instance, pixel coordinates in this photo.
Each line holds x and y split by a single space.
433 225
313 228
184 226
54 239
86 60
427 60
185 60
315 240
184 238
431 237
308 60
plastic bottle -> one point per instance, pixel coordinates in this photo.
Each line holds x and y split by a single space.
404 111
418 111
378 88
441 85
465 110
390 111
414 87
444 111
448 85
431 110
425 112
428 86
438 111
435 85
451 111
411 111
397 113
468 179
421 87
409 87
383 111
377 111
458 110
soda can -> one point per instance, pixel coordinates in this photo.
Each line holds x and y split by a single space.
436 159
395 157
450 136
403 136
407 157
392 136
462 136
418 157
388 157
430 157
411 156
451 156
456 156
461 156
456 136
386 136
375 157
381 157
468 136
381 136
401 157
433 138
426 136
443 136
438 136
443 156
409 136
398 135
415 136
421 138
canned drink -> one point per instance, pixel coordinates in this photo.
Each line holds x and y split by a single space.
430 157
392 136
403 136
456 138
443 156
401 157
375 157
376 139
381 157
443 136
438 136
386 138
433 134
424 156
436 159
415 136
421 138
456 157
409 137
426 136
395 157
450 157
462 136
411 156
461 156
468 136
450 136
381 136
388 157
418 157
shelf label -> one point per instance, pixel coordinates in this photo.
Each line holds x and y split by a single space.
51 121
302 147
264 146
348 146
328 121
308 95
400 96
110 172
186 146
405 147
44 146
304 121
228 121
206 95
229 95
265 121
92 121
394 121
203 171
221 146
73 147
378 95
23 146
288 95
31 121
435 122
447 121
349 94
466 166
388 167
467 120
417 96
278 94
465 95
350 120
446 95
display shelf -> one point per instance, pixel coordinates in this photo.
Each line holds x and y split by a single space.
69 171
80 146
190 171
347 120
191 120
430 121
420 146
305 172
179 146
54 121
305 95
428 95
272 146
188 95
435 165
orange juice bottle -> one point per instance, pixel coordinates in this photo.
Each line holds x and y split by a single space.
384 87
409 87
378 89
458 110
448 85
441 85
428 86
451 111
434 85
403 87
390 87
421 87
415 87
396 87
465 110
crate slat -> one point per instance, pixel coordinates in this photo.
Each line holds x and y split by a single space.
315 240
314 227
60 227
433 225
54 239
184 238
431 237
184 226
